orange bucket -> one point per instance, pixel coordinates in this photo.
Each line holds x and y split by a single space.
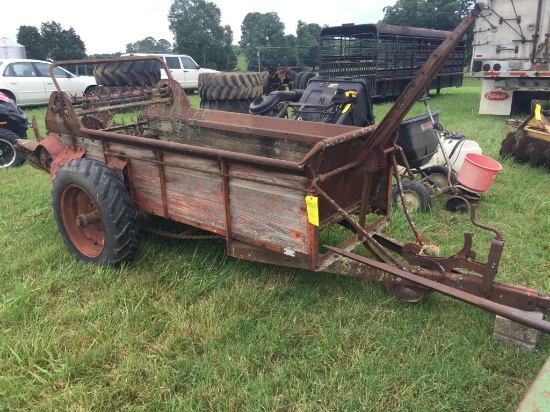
478 172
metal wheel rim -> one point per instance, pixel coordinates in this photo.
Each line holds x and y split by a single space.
76 202
439 180
412 199
7 154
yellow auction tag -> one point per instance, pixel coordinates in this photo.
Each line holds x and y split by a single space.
312 203
537 112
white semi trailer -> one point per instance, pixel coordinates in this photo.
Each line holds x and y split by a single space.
511 51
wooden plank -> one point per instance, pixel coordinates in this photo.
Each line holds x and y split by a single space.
268 214
275 148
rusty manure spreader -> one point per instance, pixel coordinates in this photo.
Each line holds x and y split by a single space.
269 186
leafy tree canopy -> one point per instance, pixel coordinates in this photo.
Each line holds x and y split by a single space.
149 45
198 32
52 43
263 33
307 42
30 37
430 14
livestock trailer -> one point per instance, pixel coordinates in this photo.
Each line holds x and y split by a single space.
387 56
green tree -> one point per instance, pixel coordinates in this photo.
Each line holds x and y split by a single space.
149 45
263 34
61 44
30 37
198 32
307 43
430 14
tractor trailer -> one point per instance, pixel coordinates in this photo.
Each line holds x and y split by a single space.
511 49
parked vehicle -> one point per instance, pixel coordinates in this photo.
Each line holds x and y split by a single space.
270 187
511 53
183 69
387 57
13 126
28 82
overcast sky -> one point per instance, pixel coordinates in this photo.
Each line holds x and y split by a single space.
107 26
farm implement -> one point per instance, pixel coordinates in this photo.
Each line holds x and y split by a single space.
269 186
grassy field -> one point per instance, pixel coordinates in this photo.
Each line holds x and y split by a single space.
184 327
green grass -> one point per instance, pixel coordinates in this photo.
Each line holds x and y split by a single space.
185 327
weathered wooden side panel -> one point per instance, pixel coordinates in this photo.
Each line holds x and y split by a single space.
270 216
257 145
194 191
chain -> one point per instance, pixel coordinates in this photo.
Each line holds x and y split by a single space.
184 235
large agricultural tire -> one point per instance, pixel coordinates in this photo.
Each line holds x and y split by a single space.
296 80
8 156
94 213
127 73
230 86
235 106
305 78
266 82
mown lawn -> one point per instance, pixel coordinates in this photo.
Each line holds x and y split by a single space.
184 327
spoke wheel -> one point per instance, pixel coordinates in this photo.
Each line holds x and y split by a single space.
94 213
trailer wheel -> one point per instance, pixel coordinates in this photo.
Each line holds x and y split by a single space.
416 194
94 213
8 156
438 176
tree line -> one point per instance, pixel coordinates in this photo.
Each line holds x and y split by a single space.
198 32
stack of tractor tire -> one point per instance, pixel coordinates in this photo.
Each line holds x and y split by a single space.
230 91
127 73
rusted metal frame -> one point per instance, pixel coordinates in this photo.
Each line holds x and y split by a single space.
365 204
200 151
164 196
332 141
405 163
368 237
308 136
483 303
195 169
391 122
415 230
106 151
226 204
324 176
511 295
142 103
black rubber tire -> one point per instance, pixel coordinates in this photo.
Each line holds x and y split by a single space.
438 174
266 82
296 80
83 186
305 78
235 106
416 195
230 86
8 156
127 73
